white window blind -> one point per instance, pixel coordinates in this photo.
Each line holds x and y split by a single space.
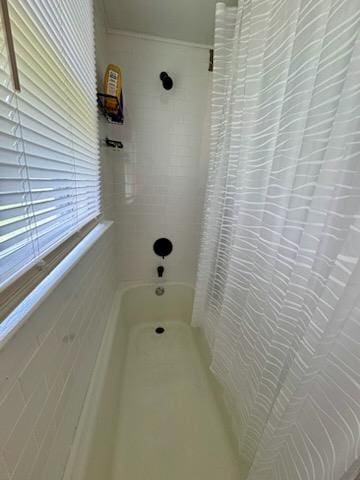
49 167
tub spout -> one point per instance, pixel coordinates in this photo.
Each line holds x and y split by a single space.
160 271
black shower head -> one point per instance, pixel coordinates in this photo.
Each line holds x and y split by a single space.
166 81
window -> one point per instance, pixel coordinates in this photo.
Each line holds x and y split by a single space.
49 158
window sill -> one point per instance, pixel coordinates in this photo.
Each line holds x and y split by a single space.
22 312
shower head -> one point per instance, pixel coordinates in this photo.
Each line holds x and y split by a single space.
166 81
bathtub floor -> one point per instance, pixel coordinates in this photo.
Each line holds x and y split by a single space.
170 426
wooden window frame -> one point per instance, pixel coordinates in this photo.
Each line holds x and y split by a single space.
17 291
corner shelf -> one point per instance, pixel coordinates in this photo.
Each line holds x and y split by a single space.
113 117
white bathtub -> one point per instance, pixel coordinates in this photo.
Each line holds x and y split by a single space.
153 410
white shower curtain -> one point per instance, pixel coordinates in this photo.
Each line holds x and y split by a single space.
278 287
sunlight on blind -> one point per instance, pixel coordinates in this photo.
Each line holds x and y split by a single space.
49 167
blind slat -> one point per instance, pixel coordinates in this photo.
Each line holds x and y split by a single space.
49 151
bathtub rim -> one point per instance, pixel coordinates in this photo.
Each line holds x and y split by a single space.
80 448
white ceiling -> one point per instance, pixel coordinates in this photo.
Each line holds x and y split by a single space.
186 20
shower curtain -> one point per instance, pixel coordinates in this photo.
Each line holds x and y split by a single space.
278 286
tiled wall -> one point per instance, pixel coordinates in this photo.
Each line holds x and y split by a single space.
45 369
152 188
157 180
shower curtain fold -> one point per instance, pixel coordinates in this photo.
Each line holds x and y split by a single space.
278 286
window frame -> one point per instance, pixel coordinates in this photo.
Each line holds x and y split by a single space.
22 284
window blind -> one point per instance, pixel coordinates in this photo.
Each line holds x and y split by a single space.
49 154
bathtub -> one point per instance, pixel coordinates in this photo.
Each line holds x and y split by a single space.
153 410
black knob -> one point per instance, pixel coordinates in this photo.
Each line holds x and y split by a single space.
163 247
166 81
160 271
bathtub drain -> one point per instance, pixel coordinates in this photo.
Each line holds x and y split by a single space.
159 330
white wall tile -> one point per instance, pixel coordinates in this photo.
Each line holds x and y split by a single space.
46 384
10 409
14 356
37 472
34 370
26 460
24 427
47 414
3 471
158 177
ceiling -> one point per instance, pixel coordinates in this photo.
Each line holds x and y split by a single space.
186 20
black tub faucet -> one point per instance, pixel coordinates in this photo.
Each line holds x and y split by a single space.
160 271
